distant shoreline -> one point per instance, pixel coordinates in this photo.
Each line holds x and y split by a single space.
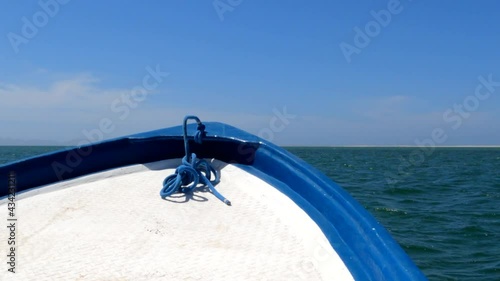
395 146
35 145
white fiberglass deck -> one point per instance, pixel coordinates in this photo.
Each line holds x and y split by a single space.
114 226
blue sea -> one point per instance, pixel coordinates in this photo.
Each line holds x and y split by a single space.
442 205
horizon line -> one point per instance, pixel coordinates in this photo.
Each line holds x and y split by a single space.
399 145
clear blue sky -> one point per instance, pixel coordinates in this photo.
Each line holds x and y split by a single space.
241 61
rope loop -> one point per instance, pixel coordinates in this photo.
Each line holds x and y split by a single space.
192 171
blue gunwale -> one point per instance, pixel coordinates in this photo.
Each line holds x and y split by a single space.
365 246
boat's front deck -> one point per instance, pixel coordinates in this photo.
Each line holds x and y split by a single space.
114 226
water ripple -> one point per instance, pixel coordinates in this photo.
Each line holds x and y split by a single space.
445 212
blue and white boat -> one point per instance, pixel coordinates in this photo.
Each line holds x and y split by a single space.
202 201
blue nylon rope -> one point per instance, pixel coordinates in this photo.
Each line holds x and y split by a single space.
192 171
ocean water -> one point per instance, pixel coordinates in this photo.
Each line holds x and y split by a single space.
442 205
12 153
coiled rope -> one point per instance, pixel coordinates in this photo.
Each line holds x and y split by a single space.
192 171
